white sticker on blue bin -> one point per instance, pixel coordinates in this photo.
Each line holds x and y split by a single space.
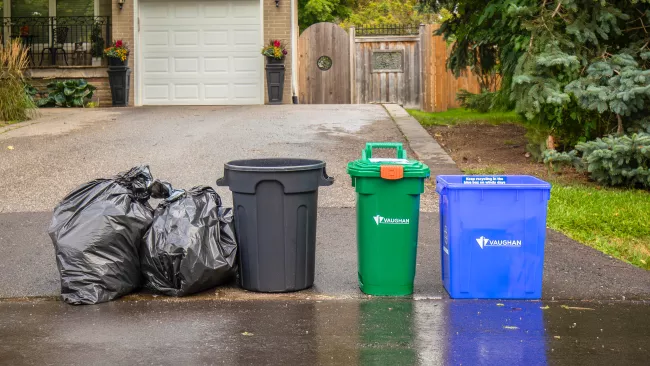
484 242
485 180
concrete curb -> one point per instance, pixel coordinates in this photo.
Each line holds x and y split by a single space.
425 147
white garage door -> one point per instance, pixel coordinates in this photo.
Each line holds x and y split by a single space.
201 52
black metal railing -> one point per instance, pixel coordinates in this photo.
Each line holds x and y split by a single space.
72 41
387 30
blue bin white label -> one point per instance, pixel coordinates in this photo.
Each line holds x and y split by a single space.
485 180
484 242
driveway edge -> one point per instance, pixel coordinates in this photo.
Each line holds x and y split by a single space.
425 147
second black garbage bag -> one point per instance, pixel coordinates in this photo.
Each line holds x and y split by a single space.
191 245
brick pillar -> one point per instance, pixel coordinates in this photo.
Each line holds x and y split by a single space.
123 29
277 25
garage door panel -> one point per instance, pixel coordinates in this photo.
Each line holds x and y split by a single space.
216 65
217 92
156 65
186 65
185 38
157 91
186 91
186 10
215 37
155 38
201 52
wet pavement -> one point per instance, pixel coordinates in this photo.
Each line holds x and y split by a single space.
342 332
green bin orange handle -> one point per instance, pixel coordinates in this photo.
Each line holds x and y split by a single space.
367 153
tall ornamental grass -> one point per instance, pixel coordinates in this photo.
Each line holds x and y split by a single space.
15 104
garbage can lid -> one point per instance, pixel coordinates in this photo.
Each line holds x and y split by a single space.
274 165
387 168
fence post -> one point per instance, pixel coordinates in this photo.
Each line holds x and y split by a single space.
353 83
422 56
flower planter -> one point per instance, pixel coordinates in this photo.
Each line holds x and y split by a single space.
116 62
275 79
119 80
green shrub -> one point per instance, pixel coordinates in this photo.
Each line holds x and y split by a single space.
477 102
69 93
31 91
15 104
613 160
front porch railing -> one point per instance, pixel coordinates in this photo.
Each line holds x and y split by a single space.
61 41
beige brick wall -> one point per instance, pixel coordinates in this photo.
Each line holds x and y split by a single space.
277 25
123 29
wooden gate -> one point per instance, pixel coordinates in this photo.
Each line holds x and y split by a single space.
387 70
324 65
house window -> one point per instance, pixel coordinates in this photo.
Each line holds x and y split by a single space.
30 8
68 8
44 8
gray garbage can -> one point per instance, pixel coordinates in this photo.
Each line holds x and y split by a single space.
275 204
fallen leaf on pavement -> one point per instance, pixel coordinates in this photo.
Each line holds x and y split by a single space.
545 307
10 147
556 337
575 308
247 334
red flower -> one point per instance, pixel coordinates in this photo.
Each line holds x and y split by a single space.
118 43
276 43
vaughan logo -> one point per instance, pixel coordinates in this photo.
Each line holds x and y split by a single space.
384 220
485 242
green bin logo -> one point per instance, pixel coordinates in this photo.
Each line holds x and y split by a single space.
380 220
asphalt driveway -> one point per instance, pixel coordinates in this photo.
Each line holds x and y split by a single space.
184 145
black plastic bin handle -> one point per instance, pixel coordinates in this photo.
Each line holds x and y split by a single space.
221 182
324 180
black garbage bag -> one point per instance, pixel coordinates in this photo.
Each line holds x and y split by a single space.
97 231
191 245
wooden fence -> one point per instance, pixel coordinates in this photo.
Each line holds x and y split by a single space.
439 85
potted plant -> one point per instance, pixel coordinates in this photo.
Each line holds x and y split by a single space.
118 73
98 43
275 53
117 54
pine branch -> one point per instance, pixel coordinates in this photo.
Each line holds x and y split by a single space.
557 9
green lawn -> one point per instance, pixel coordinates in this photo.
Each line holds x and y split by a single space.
456 116
614 221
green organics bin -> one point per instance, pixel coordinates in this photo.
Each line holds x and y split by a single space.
388 210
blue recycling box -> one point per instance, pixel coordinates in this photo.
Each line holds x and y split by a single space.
492 233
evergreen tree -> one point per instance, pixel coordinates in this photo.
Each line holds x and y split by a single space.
578 68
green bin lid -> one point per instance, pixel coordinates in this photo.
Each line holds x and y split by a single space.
368 166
